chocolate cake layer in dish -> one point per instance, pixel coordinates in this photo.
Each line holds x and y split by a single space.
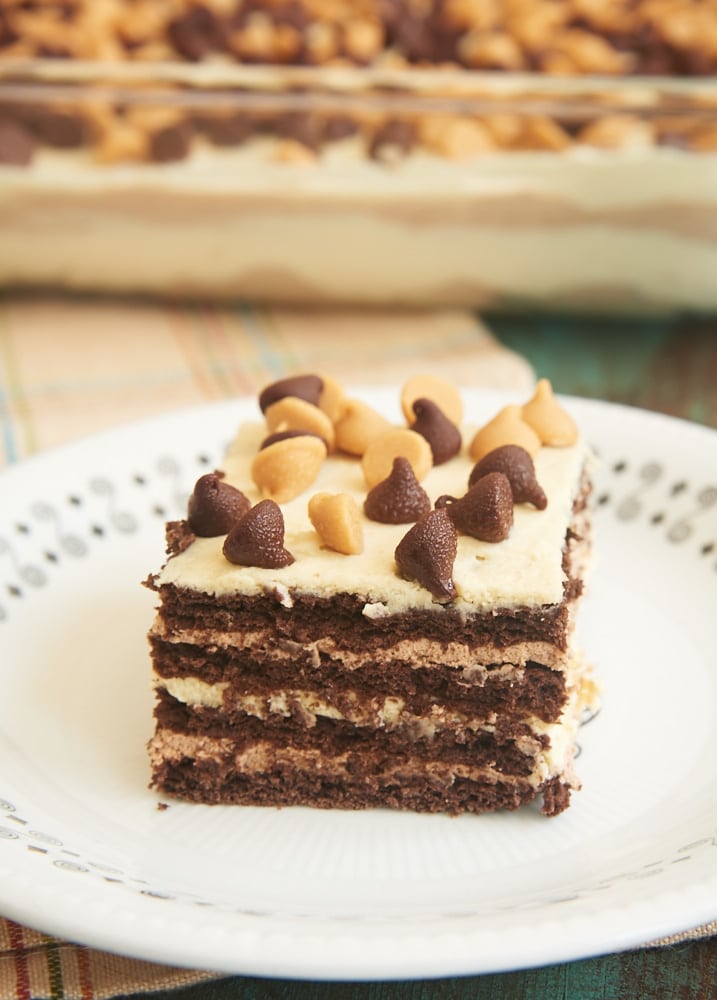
362 613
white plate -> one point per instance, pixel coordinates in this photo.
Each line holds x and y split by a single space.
86 853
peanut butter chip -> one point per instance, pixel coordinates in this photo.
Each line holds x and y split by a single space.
258 538
553 425
306 387
441 433
286 435
506 427
427 552
486 511
443 393
332 398
337 521
286 468
294 414
400 499
515 463
358 425
377 461
215 506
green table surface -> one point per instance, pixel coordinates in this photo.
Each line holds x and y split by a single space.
664 365
657 365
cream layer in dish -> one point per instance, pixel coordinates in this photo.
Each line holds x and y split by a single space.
630 228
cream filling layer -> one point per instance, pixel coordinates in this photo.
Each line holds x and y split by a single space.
420 653
556 759
388 712
525 570
264 757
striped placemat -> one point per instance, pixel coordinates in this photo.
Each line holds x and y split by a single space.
68 368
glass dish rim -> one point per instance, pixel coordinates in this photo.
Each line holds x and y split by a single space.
407 90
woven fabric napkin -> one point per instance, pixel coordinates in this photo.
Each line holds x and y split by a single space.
69 368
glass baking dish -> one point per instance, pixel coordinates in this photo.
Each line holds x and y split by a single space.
359 185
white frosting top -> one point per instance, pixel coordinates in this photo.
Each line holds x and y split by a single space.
525 570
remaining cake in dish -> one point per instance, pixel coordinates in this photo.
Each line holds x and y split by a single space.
359 612
553 154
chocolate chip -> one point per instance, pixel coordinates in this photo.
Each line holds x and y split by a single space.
694 62
426 37
306 387
285 435
130 44
393 140
441 433
292 13
674 139
8 35
485 512
258 538
414 37
399 499
17 145
392 13
59 129
427 552
515 463
302 127
225 130
659 62
196 33
215 506
339 127
53 52
171 143
289 12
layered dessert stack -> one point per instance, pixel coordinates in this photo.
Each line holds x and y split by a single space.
363 612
